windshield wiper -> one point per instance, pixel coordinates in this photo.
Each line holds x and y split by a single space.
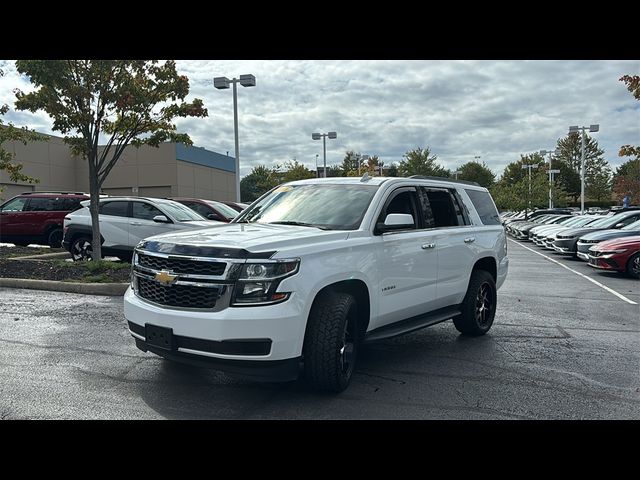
299 224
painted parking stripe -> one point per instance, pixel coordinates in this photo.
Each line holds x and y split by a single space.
610 290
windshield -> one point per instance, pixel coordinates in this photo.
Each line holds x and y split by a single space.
226 210
330 207
180 212
632 226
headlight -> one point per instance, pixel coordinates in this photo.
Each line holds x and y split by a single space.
611 253
258 281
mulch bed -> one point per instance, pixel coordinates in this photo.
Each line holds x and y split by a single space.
61 271
8 252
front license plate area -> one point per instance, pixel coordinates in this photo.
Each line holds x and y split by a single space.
160 337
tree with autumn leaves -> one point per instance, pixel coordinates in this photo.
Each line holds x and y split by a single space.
115 102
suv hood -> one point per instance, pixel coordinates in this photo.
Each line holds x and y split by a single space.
249 236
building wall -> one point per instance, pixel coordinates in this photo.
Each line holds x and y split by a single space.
205 182
169 170
51 162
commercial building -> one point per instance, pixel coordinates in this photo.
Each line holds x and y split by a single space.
171 170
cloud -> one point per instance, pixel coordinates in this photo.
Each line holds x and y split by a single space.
460 109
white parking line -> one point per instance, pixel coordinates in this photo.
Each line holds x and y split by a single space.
619 295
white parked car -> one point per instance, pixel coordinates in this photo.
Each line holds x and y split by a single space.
313 269
124 222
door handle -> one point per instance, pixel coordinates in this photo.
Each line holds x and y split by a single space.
428 245
135 223
469 239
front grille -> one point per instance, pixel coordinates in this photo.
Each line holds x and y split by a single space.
183 266
184 296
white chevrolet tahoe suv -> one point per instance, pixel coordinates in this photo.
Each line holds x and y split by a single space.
314 268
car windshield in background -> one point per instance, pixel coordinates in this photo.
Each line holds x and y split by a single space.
226 210
330 207
180 212
632 226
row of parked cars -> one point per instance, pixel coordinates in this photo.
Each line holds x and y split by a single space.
609 241
63 219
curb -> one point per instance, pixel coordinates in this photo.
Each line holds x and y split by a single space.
44 256
112 289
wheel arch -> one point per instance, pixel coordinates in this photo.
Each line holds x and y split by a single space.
359 290
487 264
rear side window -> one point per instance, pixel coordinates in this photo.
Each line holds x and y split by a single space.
115 209
41 204
66 204
440 208
485 207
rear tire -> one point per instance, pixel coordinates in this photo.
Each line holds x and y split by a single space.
478 306
81 249
633 266
55 238
331 342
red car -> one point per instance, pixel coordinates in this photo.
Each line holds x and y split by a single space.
620 254
37 217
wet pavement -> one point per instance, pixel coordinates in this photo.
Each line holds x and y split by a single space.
561 347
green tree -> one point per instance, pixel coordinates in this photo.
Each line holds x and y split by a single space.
570 154
393 170
598 180
627 181
512 190
296 171
477 172
259 181
420 162
128 102
633 85
10 133
349 164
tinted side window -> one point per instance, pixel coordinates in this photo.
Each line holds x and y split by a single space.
145 211
443 206
403 201
65 204
15 205
116 209
199 208
485 207
40 204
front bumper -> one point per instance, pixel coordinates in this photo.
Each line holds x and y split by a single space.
565 246
282 324
604 263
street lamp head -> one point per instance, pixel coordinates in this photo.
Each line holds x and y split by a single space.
221 82
247 80
574 129
315 136
594 128
332 135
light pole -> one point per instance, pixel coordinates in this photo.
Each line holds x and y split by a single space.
360 159
574 129
317 136
476 157
456 173
317 171
222 83
551 172
530 166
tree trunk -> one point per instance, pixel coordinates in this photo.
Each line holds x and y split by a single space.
94 192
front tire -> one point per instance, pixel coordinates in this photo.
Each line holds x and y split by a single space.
633 266
478 306
331 342
81 249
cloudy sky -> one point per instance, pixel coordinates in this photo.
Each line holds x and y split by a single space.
460 109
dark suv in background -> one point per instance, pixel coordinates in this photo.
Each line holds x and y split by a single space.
37 217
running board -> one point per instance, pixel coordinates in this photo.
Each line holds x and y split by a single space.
412 324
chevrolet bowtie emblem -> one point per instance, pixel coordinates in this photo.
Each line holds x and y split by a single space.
165 278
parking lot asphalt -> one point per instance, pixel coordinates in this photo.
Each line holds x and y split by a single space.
561 347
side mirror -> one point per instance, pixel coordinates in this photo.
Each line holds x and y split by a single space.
215 216
161 219
395 221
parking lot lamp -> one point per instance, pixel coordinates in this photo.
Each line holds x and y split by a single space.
574 129
528 207
317 136
551 172
222 83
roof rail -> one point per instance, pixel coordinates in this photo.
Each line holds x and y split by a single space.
54 193
444 179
